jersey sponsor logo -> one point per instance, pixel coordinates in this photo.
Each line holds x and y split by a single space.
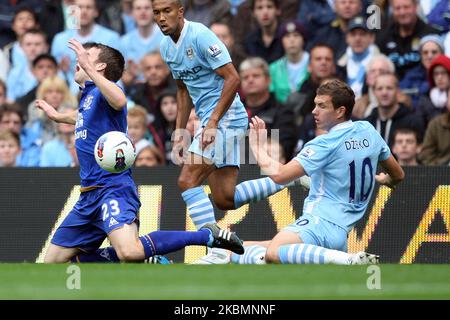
190 53
307 153
87 102
189 74
214 50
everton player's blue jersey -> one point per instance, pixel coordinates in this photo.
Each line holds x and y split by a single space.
95 118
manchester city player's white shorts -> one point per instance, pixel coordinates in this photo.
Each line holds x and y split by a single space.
225 151
320 232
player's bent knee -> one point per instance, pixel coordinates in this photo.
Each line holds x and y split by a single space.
129 254
224 203
186 183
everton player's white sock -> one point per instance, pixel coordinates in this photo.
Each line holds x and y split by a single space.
199 205
301 253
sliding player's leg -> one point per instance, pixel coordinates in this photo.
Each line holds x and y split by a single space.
312 240
58 254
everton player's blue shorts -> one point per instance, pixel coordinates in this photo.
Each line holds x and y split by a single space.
97 213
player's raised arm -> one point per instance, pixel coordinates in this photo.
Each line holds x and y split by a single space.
279 173
69 116
112 93
395 173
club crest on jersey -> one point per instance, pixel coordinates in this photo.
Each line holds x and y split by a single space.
120 160
87 102
101 145
190 53
214 51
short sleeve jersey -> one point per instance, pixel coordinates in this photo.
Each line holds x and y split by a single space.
342 165
95 118
193 59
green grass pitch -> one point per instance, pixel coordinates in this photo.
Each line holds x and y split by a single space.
214 282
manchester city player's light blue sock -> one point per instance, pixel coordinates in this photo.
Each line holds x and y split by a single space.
199 205
253 255
255 190
301 253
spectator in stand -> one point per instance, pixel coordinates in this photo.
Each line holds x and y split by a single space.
244 21
378 65
400 39
149 156
166 111
415 82
208 11
11 118
24 19
55 92
406 147
44 66
264 42
434 102
360 50
436 145
21 79
116 15
391 115
58 151
145 38
223 32
2 93
9 148
89 31
8 10
157 79
289 72
333 34
321 66
137 121
259 101
62 17
315 14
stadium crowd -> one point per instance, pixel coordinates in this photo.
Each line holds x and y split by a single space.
394 55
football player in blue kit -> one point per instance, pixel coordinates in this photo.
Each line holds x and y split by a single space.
109 203
207 80
342 166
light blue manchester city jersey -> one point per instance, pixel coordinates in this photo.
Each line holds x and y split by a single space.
193 59
342 165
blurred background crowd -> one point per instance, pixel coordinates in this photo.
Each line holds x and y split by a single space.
393 53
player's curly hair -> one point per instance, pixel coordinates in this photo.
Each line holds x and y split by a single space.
341 95
115 63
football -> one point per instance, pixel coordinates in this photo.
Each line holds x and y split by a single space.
114 152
